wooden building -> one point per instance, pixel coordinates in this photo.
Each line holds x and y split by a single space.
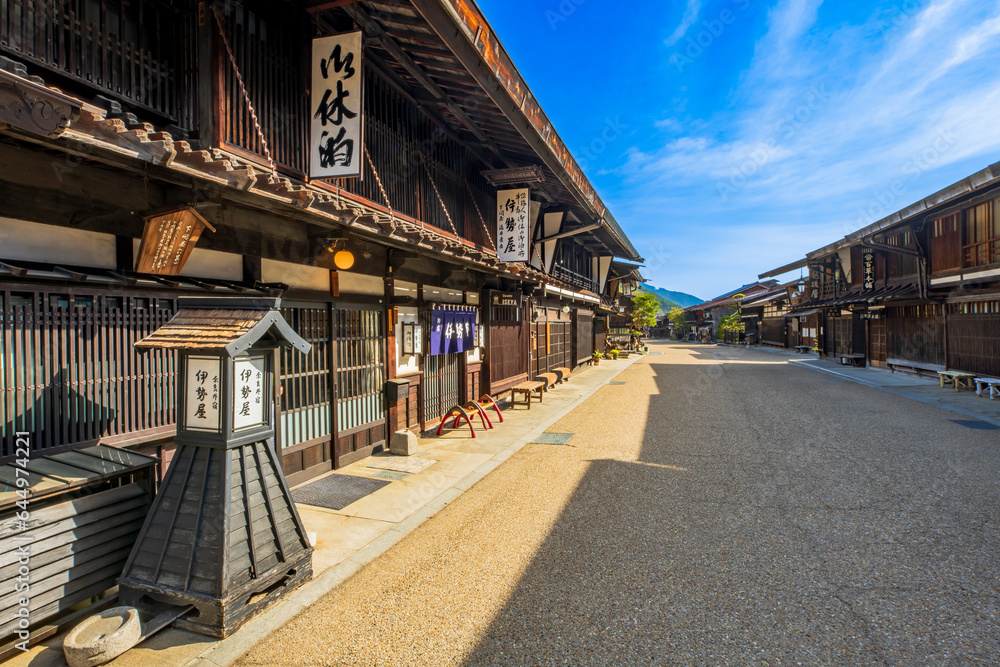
158 148
705 317
918 290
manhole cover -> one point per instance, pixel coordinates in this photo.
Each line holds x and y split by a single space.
552 439
976 424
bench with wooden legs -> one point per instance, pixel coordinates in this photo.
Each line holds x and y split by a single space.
991 385
958 379
526 389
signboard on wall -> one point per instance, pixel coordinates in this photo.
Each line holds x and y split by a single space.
168 239
513 236
868 268
335 133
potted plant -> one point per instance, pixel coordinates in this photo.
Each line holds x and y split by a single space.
614 353
596 356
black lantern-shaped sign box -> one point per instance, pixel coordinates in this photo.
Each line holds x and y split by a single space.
225 400
223 533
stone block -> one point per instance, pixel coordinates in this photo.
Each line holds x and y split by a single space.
403 443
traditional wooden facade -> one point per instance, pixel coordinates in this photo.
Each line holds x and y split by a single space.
917 290
120 115
704 317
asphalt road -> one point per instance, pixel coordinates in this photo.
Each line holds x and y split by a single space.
720 507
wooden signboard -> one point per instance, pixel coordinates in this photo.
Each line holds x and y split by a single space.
168 239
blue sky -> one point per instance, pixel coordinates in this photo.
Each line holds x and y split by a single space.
745 133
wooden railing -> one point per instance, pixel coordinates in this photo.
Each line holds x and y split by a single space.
140 52
574 278
981 254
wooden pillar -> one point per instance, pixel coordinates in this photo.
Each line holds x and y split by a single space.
392 316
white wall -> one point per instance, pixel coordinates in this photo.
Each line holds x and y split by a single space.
35 242
295 275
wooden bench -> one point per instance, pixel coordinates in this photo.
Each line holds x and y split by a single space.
992 384
958 379
853 359
548 379
802 348
526 389
564 373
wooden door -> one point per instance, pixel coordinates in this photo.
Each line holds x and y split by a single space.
305 421
360 344
876 342
442 385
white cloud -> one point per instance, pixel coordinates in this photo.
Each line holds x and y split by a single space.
690 16
825 120
827 129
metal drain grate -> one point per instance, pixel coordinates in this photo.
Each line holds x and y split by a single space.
336 491
552 439
616 382
387 474
976 424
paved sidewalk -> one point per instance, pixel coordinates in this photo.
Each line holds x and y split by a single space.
918 388
361 532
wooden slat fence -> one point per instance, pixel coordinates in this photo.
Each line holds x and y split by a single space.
974 343
915 335
69 373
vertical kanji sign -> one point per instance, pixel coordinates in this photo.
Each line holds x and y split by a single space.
335 148
248 392
868 255
202 393
513 237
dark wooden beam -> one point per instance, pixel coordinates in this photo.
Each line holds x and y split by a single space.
396 51
323 5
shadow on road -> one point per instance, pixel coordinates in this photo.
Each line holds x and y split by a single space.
769 518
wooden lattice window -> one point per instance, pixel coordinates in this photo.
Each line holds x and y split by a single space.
982 235
70 374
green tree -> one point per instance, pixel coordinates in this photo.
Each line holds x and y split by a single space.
645 306
679 319
731 324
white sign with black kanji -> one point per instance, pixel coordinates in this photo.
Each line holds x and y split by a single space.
335 135
202 393
513 233
248 392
